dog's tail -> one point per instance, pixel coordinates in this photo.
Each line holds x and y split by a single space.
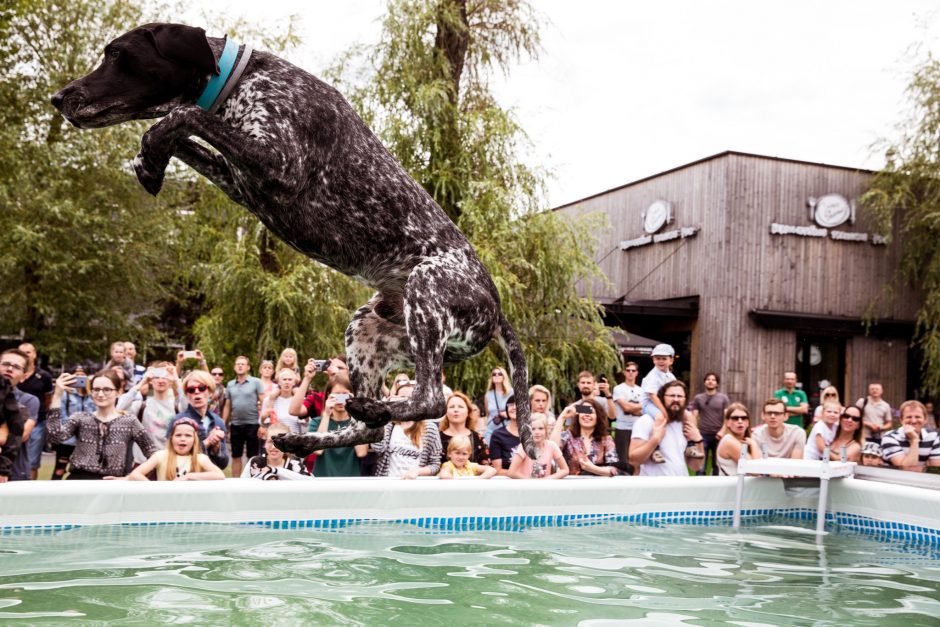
519 373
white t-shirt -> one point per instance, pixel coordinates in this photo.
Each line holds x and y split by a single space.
673 448
286 418
810 450
651 384
631 394
402 453
793 438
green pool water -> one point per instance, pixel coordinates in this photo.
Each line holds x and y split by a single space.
384 574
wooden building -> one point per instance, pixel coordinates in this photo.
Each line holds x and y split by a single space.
751 266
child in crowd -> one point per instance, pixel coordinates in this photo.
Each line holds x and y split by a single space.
273 464
459 450
824 431
663 357
551 462
181 460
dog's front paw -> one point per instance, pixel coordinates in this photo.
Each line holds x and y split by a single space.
371 412
299 445
150 176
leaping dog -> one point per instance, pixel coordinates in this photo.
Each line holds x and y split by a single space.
291 149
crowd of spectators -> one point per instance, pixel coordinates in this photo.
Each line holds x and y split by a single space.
182 421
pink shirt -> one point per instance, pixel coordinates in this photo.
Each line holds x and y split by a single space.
549 457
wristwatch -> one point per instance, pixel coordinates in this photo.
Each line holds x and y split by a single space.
695 441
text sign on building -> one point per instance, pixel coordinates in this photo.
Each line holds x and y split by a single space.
828 211
657 215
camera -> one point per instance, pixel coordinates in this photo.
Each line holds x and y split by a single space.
321 364
340 399
158 373
584 409
189 355
81 381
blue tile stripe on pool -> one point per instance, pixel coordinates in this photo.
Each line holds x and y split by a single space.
850 522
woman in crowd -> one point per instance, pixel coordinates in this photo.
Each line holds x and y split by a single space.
551 462
344 461
849 435
266 374
154 412
198 387
458 464
288 359
103 435
181 460
276 405
75 399
540 402
828 394
824 430
505 439
737 430
273 464
498 391
409 449
457 422
401 379
586 445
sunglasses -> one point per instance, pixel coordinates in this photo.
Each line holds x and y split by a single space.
497 374
852 418
745 418
217 374
193 389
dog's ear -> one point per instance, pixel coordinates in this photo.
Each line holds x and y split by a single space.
185 44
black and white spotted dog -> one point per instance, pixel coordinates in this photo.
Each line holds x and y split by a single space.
290 148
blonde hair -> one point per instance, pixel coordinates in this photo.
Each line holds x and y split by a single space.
290 371
507 384
200 376
416 432
171 452
280 360
459 443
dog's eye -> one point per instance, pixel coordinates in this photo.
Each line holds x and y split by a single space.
114 54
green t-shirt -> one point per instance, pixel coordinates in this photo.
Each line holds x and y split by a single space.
792 399
335 462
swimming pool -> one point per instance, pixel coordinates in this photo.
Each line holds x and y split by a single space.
655 551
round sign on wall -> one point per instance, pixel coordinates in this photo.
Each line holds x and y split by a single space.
656 215
831 210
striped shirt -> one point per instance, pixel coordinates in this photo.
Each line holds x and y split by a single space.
895 443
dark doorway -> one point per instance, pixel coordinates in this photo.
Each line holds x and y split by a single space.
820 361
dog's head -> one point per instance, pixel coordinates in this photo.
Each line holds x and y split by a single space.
146 73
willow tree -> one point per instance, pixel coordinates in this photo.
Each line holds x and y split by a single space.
906 194
424 88
86 254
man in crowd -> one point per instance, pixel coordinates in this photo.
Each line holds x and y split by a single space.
674 434
776 436
912 446
243 396
876 413
708 409
13 366
12 419
794 399
38 383
130 355
628 398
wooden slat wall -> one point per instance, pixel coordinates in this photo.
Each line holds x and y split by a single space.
735 265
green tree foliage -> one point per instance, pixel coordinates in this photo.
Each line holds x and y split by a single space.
85 253
425 90
905 196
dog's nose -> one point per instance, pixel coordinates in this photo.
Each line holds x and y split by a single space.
57 99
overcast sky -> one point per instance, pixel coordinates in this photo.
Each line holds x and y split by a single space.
624 89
